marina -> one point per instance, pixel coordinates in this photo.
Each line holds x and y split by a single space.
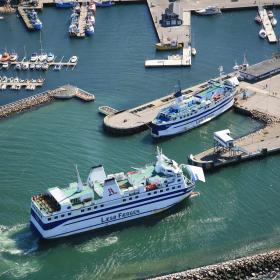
63 92
15 83
38 64
236 213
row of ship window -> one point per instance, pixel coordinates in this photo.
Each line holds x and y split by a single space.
69 214
102 205
154 192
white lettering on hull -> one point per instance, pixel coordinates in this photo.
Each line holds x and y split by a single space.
121 215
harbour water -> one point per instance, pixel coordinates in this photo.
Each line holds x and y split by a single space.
237 212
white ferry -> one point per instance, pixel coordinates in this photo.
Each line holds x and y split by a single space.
111 199
189 112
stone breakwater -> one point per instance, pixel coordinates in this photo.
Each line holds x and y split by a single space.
265 265
25 104
64 92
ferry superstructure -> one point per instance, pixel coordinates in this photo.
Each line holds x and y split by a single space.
189 112
110 199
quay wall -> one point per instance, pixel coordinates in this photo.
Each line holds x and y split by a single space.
252 267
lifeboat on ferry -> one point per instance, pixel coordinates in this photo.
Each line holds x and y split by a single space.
217 97
151 187
5 57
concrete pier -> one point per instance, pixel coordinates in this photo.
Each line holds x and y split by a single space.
82 21
23 14
262 103
63 92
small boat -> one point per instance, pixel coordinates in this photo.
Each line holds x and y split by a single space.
45 66
73 59
5 57
89 30
13 57
210 10
38 66
273 21
235 67
25 66
42 57
270 14
92 7
91 18
18 66
64 4
173 45
258 19
4 86
57 67
32 66
262 33
1 17
16 80
193 51
50 57
104 3
5 65
4 79
34 57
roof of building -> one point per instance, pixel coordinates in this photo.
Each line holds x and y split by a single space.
263 68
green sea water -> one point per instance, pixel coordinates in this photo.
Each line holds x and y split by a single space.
237 212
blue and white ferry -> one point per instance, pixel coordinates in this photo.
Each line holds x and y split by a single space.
189 112
105 200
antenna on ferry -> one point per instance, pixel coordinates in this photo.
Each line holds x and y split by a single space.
221 70
80 184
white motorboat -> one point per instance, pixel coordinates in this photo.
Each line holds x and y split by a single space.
193 51
273 21
18 66
5 65
270 14
210 10
258 19
45 66
38 66
34 57
13 57
262 33
73 59
25 66
50 57
42 57
32 66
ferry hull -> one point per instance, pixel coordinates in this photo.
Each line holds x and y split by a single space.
184 126
109 218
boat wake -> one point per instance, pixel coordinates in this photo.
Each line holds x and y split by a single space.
96 244
16 240
15 243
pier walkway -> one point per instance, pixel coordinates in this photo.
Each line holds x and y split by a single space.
267 25
63 92
82 21
262 102
23 14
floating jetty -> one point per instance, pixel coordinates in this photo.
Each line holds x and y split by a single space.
262 102
176 60
16 83
267 25
43 98
57 65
